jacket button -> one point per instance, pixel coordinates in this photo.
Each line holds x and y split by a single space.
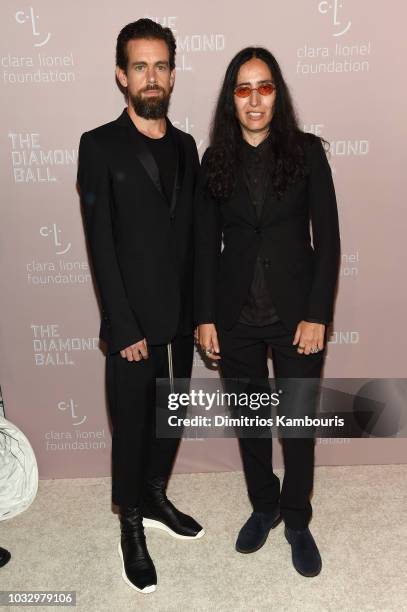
258 230
266 262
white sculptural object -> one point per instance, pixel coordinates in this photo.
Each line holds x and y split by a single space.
18 471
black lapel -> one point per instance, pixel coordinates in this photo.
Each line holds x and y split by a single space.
143 152
180 164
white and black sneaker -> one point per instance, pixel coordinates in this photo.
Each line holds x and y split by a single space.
159 512
138 569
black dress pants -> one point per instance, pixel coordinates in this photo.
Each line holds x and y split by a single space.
137 454
244 355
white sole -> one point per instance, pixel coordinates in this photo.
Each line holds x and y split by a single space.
148 589
157 525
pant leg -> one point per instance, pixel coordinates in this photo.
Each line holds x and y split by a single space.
244 355
162 451
298 453
130 388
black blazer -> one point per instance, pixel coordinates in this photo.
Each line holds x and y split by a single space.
141 245
302 275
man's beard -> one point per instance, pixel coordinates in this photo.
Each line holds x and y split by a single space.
151 108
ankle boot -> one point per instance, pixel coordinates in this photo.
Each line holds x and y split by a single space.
255 531
304 551
138 569
159 512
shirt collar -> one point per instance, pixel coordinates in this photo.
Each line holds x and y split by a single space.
248 149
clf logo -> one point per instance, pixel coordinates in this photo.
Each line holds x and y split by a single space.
22 17
325 7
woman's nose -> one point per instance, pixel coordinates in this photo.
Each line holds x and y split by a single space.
254 97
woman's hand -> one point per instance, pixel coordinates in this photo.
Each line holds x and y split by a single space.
207 339
309 337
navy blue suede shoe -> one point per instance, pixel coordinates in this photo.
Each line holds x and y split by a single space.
305 554
255 531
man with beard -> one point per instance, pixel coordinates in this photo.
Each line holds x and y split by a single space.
136 177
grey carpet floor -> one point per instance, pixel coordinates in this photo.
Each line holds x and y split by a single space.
67 540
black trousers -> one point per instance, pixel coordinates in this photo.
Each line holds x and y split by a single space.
137 454
244 355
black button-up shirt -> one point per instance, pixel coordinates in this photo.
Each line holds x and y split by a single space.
259 309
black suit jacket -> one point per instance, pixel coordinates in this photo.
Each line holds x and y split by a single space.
302 274
141 245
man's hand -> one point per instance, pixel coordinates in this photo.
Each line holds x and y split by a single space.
309 337
208 340
136 352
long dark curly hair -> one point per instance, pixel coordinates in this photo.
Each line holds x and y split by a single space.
285 152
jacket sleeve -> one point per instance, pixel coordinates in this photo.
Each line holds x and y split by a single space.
325 232
208 241
95 191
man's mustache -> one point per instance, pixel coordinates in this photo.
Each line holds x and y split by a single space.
153 88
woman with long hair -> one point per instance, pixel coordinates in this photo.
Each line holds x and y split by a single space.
261 281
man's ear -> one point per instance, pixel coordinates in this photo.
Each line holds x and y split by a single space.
172 78
121 76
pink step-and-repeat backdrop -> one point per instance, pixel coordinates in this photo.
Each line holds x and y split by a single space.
344 62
